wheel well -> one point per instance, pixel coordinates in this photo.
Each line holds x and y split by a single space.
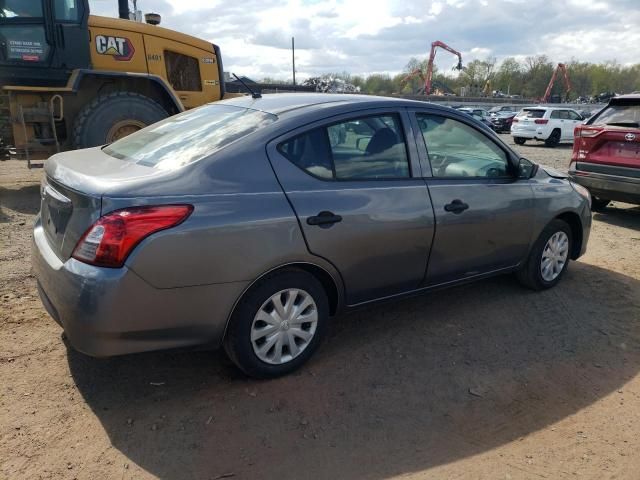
93 85
573 220
327 281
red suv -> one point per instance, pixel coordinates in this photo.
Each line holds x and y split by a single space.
606 153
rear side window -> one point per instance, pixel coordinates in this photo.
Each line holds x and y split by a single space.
531 113
189 136
183 72
366 148
623 115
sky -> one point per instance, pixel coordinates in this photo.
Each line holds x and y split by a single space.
370 36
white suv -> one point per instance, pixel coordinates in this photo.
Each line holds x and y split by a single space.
549 124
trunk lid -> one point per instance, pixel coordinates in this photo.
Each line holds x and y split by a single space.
609 145
612 136
65 215
73 188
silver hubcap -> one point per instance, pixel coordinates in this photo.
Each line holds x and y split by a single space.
554 256
284 326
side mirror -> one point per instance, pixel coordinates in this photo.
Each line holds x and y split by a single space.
526 169
362 142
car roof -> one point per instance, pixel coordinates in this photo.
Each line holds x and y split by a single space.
282 103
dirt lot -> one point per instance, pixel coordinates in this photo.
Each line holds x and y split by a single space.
486 381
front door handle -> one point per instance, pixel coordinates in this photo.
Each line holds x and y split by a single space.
324 219
457 206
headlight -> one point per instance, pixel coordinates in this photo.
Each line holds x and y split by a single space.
582 191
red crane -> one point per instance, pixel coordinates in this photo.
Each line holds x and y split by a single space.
567 83
427 77
429 73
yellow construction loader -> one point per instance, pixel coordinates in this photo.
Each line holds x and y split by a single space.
73 80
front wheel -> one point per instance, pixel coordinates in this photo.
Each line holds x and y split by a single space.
278 324
548 258
519 140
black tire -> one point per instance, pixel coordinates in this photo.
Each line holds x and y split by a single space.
519 140
530 274
554 139
599 204
94 122
237 342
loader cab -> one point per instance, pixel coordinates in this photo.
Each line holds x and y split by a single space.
42 41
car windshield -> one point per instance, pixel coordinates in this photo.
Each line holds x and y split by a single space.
189 136
531 113
623 115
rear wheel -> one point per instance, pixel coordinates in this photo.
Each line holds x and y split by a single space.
548 258
519 140
278 324
554 139
599 204
111 117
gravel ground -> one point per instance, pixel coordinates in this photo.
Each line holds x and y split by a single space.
485 381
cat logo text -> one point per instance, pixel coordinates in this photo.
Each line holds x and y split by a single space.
120 48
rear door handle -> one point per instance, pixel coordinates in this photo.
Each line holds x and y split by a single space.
324 219
457 206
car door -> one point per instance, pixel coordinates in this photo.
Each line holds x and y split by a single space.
484 213
356 187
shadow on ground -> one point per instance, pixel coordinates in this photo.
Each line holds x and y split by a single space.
620 215
22 200
398 387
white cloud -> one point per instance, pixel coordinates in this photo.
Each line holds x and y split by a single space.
365 36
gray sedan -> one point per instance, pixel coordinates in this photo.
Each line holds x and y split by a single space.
249 223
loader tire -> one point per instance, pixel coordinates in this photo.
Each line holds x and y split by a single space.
111 117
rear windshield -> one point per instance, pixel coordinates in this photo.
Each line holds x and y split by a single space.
623 115
531 113
189 136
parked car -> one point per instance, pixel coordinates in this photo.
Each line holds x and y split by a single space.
606 153
246 224
479 114
502 108
502 121
551 125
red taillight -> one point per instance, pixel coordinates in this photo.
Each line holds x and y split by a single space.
541 121
582 131
110 240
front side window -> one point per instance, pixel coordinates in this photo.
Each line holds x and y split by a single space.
183 72
360 149
189 136
574 115
458 150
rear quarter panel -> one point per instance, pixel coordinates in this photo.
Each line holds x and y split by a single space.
242 225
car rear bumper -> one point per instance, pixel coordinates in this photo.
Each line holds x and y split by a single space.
530 134
610 187
106 311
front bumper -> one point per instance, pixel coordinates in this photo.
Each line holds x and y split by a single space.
610 187
107 311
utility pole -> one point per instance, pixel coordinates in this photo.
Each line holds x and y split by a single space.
293 59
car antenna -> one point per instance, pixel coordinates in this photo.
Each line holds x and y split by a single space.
253 94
